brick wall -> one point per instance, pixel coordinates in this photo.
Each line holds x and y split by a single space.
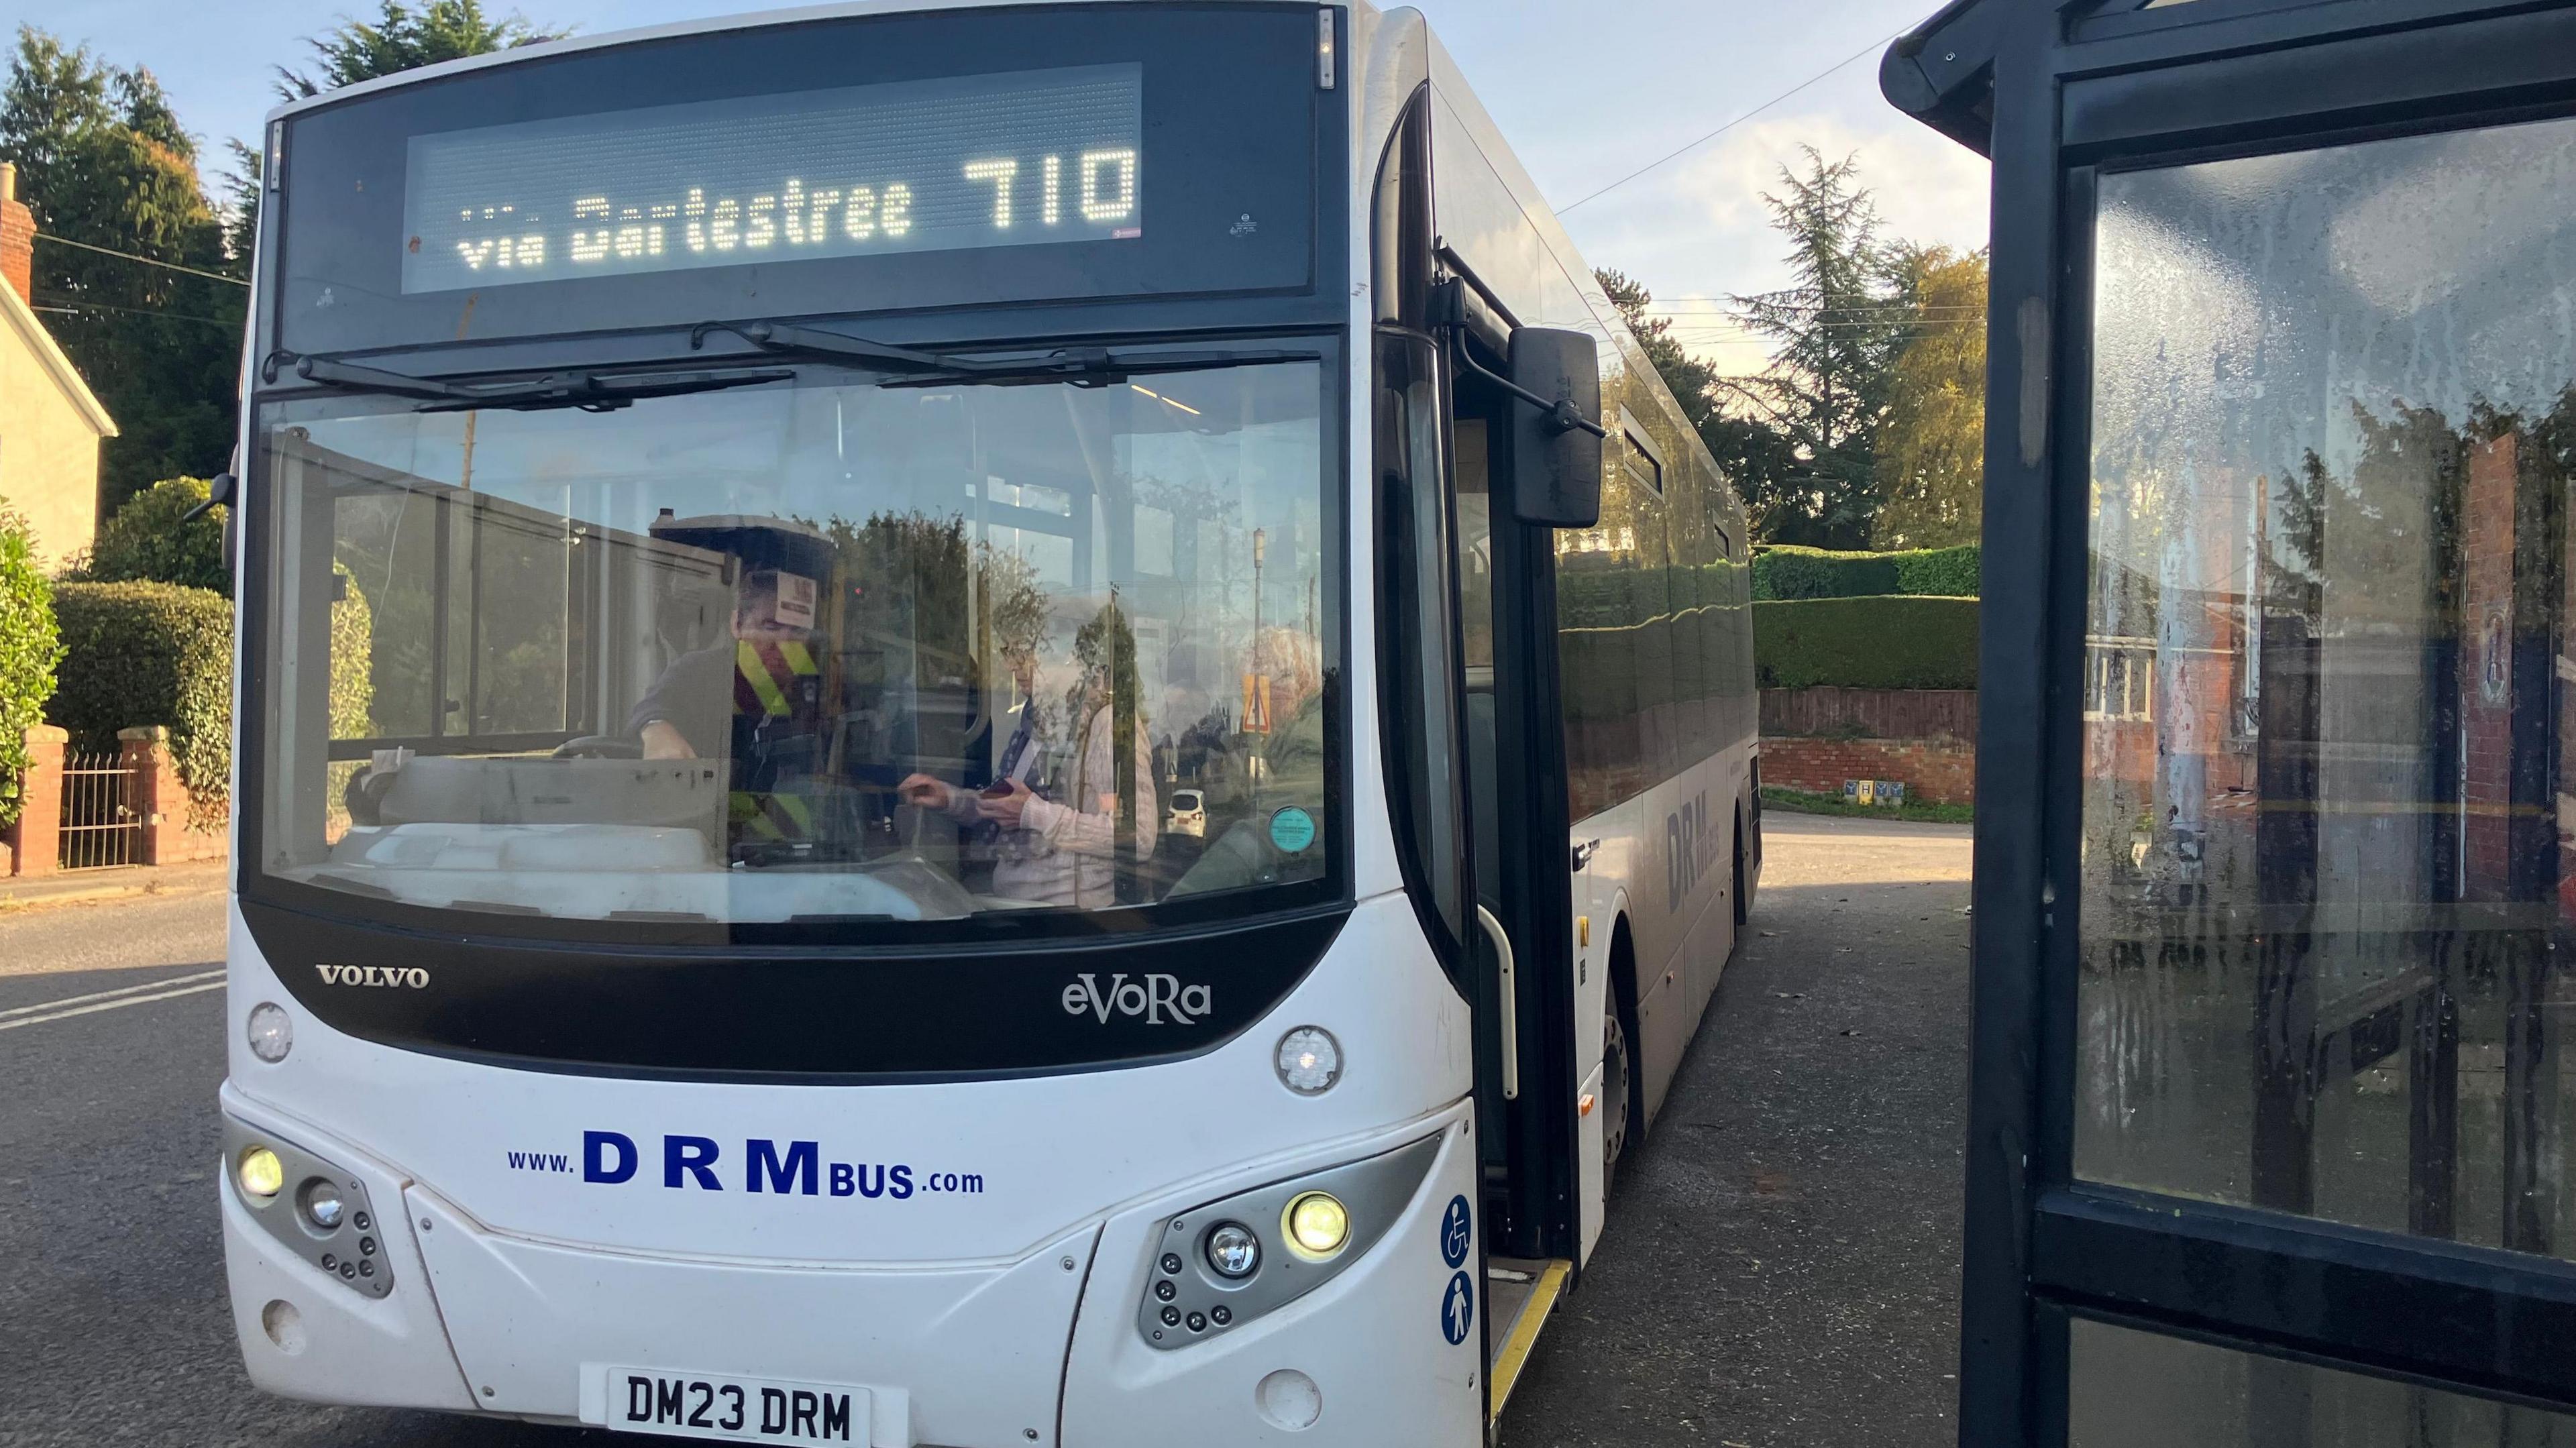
162 799
1941 771
33 845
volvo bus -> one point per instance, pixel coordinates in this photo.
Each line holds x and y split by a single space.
962 725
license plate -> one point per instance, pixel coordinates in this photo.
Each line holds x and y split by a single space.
735 1409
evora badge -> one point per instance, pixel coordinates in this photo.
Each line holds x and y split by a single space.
386 975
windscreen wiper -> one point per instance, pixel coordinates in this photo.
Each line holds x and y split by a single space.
912 367
589 391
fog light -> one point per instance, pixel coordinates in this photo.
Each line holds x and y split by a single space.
1233 1251
1317 1224
259 1173
322 1205
1309 1060
272 1034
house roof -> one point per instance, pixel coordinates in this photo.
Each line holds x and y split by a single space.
22 320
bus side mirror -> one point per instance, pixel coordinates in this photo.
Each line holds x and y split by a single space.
225 489
1556 449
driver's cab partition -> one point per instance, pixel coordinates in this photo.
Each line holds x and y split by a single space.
2271 1109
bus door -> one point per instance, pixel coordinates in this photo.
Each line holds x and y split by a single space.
1516 821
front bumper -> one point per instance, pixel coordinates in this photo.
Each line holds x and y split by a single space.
1039 1349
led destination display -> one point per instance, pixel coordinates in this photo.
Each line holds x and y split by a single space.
982 161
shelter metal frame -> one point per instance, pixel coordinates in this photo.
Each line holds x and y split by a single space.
2056 93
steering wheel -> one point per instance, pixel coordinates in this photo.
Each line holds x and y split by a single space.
600 746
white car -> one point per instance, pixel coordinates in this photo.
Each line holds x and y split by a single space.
1188 815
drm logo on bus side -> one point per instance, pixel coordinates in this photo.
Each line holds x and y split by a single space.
1160 999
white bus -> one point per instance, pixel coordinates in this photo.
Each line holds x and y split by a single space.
959 725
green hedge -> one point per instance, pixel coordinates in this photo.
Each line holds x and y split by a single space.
150 653
29 651
1786 572
1867 643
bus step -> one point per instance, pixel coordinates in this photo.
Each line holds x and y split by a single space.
1519 1294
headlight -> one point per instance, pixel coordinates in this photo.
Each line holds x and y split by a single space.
1232 1250
322 1205
272 1033
260 1173
1317 1224
1309 1060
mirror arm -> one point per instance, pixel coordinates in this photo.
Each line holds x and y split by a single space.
219 491
1561 416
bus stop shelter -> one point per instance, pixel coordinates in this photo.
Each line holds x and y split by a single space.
2270 1117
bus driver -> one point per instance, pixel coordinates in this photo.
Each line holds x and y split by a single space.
690 711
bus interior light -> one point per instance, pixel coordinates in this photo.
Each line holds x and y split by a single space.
1324 65
260 1173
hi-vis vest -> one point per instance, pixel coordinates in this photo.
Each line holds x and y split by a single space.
779 688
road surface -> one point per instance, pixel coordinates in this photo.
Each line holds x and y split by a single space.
1780 1265
1779 1268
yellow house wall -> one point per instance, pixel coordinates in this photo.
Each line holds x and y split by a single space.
48 456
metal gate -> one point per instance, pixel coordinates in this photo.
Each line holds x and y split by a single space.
100 826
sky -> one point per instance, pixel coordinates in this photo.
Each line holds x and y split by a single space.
1585 92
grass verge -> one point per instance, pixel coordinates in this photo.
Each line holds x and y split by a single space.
1798 801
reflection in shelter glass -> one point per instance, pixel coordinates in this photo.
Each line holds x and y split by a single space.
812 650
2324 874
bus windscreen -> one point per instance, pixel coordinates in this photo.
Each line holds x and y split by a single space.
1019 159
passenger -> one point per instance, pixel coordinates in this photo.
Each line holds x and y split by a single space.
1051 815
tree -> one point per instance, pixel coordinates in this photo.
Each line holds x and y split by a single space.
146 543
1750 453
1931 448
102 160
398 39
1836 331
401 38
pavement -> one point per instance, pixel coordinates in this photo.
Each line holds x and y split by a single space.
76 887
1779 1266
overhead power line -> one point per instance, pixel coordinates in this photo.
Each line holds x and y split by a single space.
1875 45
146 260
72 307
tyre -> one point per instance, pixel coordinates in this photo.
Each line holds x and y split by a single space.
1617 1083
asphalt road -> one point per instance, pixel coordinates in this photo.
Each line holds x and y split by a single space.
1778 1268
1780 1264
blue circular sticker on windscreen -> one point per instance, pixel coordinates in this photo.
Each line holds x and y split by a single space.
1292 829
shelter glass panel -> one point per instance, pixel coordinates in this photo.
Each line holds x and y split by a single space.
2324 875
2136 1389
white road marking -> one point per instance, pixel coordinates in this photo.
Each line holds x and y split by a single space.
108 1000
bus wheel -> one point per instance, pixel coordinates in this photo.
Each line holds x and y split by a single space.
1615 1079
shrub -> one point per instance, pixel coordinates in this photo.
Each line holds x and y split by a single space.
1867 643
30 648
146 543
1785 572
150 653
1940 572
